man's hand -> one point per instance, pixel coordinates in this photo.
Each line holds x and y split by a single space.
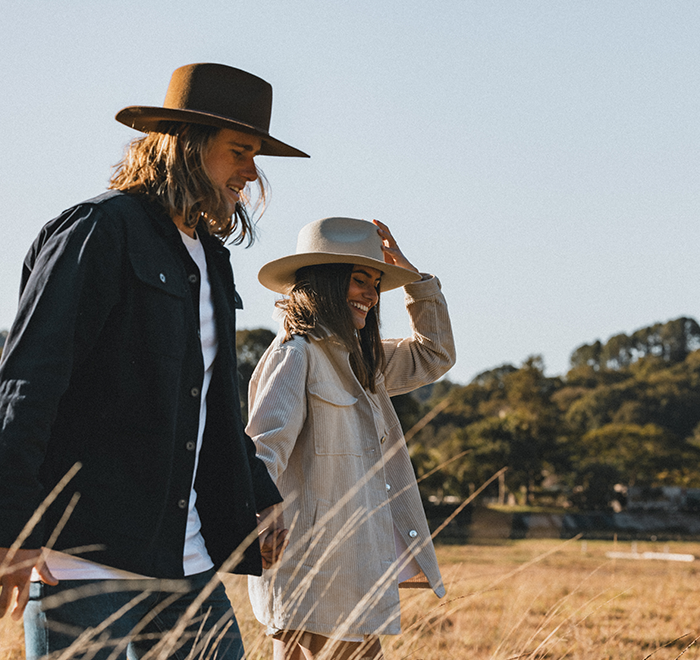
15 574
272 535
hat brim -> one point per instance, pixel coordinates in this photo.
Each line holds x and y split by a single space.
280 275
146 119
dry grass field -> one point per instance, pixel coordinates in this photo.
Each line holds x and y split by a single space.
528 599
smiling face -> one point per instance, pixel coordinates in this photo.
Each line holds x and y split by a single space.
363 293
229 162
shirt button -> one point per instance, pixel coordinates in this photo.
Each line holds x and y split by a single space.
388 486
182 504
194 391
383 439
162 277
192 278
413 533
190 446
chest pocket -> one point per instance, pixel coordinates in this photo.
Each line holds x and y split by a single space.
160 274
334 419
158 303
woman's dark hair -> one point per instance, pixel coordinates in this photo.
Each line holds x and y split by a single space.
317 306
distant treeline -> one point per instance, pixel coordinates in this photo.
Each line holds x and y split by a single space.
627 413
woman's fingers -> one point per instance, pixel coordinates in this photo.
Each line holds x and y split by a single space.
272 546
392 253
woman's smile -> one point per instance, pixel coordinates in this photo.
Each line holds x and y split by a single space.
363 293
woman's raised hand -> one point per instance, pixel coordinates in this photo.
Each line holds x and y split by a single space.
392 252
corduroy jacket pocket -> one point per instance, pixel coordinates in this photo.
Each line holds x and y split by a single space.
333 416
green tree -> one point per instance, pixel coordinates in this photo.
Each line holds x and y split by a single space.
505 417
640 454
618 352
587 355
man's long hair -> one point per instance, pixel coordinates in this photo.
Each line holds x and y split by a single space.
169 166
318 306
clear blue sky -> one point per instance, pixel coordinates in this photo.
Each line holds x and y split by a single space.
541 158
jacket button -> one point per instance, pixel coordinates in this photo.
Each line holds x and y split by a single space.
182 504
413 533
383 439
162 277
192 278
388 486
190 446
194 391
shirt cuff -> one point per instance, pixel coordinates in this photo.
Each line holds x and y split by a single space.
427 287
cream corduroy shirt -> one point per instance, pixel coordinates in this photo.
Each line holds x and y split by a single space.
338 455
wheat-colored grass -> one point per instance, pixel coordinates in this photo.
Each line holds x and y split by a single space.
530 599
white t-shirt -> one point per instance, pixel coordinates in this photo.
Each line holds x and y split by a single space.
196 558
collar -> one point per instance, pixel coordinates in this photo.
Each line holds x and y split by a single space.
168 229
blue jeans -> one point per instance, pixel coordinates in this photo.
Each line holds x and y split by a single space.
120 619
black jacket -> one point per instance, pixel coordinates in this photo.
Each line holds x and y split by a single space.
102 367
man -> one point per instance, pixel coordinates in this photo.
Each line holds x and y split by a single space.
119 394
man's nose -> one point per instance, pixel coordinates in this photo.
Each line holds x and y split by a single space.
250 171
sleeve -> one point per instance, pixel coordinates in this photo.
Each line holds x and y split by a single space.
430 351
69 285
277 405
264 488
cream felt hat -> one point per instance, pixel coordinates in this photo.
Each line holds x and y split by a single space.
335 241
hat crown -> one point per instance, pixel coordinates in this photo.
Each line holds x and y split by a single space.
221 90
342 236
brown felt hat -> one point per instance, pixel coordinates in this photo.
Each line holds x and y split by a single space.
215 95
335 241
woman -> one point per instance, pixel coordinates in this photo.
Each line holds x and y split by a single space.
323 423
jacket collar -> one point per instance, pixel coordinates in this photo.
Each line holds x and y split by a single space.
165 226
340 356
